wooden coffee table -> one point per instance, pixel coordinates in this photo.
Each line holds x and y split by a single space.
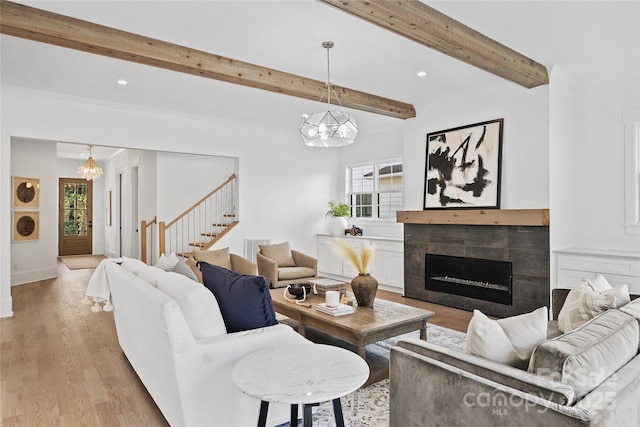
367 325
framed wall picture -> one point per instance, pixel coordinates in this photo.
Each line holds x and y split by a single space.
26 226
107 208
26 192
463 167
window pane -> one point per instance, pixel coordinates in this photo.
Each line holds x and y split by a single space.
81 196
390 176
362 179
388 204
69 223
362 205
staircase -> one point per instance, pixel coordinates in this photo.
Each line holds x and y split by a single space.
204 223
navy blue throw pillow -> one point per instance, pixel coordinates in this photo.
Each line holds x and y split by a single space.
245 301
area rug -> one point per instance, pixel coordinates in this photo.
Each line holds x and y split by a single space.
369 406
81 262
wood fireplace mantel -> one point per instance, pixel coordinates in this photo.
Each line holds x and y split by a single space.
527 217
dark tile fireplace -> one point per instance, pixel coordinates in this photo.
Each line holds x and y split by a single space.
521 254
482 279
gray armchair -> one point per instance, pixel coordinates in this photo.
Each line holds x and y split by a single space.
281 265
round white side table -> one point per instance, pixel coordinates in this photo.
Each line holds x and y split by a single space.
300 374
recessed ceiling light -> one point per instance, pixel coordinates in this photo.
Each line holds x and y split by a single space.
123 82
421 73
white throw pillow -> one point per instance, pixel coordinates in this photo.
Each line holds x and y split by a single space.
167 262
620 292
509 341
151 274
582 304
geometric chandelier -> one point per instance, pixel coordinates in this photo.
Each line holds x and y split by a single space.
90 169
329 128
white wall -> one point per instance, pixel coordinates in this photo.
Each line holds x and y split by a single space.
598 183
184 179
561 162
525 149
35 259
120 168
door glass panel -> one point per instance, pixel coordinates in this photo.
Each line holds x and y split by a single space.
75 209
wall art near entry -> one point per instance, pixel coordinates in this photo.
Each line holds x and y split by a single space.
26 192
26 226
463 167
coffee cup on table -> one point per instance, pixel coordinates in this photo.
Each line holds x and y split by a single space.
332 298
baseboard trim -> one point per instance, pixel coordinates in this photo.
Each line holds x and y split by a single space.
6 307
33 276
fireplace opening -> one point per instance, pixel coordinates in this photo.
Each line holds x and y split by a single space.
483 279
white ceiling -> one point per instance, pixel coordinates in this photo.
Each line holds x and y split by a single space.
592 39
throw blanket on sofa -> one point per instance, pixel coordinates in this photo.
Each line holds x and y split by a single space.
98 289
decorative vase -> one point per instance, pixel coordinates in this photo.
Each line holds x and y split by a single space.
364 287
338 225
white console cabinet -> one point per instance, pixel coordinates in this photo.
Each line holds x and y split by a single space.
387 268
617 267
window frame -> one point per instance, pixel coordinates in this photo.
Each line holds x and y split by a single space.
375 192
631 121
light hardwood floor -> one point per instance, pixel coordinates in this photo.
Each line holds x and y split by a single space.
61 364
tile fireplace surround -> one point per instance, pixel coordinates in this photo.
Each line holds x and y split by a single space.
518 236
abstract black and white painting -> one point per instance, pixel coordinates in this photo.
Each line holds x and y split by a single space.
463 165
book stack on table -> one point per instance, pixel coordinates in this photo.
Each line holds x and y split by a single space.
339 310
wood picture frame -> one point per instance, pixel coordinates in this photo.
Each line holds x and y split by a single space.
463 167
26 226
26 192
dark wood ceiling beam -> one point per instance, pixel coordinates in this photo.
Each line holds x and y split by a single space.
47 27
425 25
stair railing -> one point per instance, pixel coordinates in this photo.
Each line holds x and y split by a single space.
199 226
147 239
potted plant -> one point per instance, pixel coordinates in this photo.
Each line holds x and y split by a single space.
338 212
364 285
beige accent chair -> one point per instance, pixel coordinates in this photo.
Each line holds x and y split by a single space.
224 259
282 266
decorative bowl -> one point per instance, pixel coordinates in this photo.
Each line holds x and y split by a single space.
295 289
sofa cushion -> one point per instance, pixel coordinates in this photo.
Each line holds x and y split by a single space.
509 341
582 303
620 292
585 357
280 253
133 265
151 274
219 257
199 306
167 262
182 268
633 309
245 301
292 273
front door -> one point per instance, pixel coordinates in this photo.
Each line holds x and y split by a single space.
74 217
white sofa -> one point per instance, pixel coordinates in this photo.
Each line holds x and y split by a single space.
172 333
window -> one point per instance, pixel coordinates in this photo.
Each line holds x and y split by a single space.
375 189
632 171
